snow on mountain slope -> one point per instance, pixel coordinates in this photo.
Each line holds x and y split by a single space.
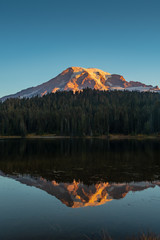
77 79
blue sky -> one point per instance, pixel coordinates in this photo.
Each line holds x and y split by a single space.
40 38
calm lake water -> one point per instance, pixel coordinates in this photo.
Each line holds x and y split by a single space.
77 189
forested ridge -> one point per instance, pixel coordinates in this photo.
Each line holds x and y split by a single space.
88 113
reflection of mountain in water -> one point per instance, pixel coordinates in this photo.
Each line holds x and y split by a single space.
77 194
103 170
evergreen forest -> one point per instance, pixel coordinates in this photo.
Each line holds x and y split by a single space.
87 113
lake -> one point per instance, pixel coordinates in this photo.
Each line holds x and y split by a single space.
78 188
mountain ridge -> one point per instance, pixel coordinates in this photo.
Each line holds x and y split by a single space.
78 78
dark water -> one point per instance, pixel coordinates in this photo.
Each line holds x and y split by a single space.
77 189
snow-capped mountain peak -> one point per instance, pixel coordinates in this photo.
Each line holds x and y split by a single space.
78 78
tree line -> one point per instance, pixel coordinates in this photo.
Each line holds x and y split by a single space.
87 113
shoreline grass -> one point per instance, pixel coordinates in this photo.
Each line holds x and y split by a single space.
142 236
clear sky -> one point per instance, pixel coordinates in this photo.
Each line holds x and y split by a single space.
40 38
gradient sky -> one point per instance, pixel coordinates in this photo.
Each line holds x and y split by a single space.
40 38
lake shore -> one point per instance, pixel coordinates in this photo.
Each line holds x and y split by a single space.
109 137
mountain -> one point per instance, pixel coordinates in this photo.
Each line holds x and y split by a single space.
78 194
77 78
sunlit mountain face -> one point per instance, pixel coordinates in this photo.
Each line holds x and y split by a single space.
82 173
77 78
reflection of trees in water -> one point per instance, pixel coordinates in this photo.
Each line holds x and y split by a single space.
89 160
